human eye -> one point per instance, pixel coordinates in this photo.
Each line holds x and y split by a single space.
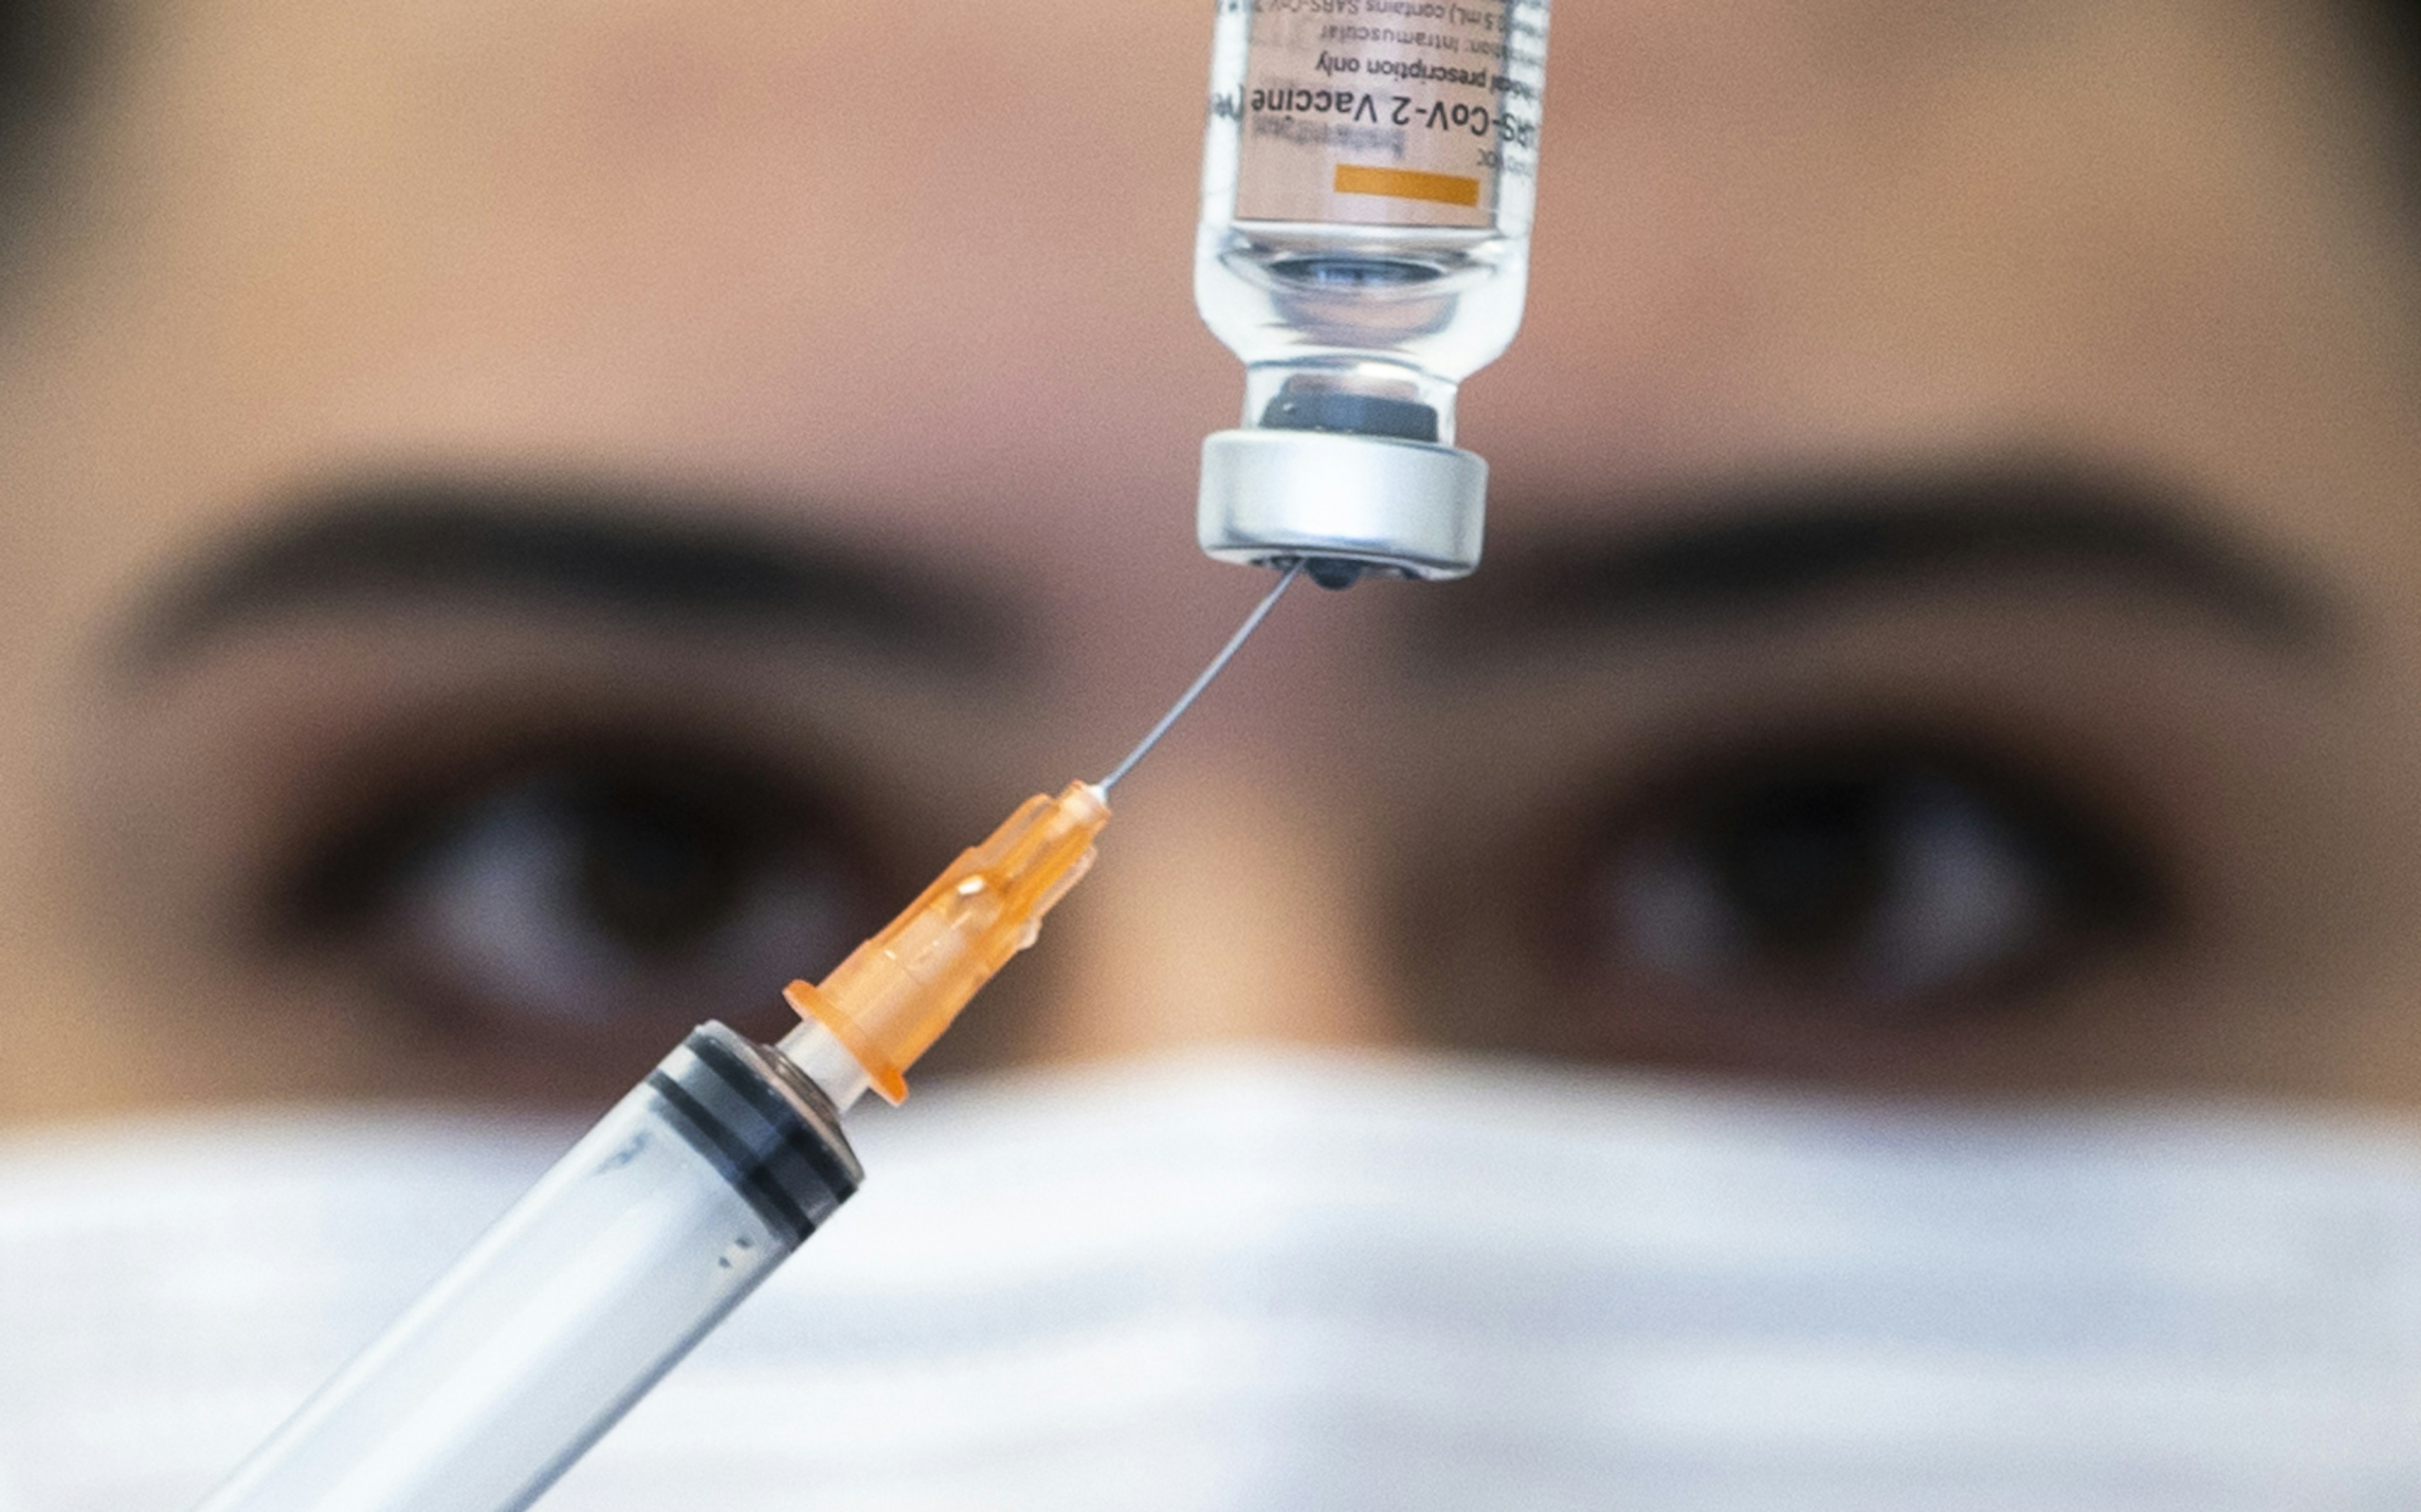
492 789
1812 905
1879 883
1985 780
547 913
601 889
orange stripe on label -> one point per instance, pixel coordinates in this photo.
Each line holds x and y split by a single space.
1402 183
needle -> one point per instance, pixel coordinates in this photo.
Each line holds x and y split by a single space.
1218 665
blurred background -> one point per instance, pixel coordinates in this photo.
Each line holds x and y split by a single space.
527 528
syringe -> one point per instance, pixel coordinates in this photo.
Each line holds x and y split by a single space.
672 1208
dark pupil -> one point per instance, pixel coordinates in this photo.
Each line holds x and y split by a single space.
657 869
1806 865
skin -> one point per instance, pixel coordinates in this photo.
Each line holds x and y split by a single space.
907 283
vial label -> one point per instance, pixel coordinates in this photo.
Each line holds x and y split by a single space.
1387 112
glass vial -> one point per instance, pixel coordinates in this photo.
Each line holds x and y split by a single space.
1369 175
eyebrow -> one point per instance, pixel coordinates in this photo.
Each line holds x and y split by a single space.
609 552
1761 552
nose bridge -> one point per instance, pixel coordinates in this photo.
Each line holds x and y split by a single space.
1225 910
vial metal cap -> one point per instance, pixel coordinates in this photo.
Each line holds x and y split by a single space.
1406 506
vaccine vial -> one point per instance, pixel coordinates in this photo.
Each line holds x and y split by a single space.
1369 173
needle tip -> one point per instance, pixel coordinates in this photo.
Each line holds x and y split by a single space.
1218 663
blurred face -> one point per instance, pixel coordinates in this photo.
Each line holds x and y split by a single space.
531 526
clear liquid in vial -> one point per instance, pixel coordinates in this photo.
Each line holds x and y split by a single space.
1368 179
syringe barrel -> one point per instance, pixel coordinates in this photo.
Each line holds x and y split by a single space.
660 1221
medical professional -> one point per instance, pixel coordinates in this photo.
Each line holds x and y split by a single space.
530 527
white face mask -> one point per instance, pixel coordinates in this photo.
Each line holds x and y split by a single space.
1284 1281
